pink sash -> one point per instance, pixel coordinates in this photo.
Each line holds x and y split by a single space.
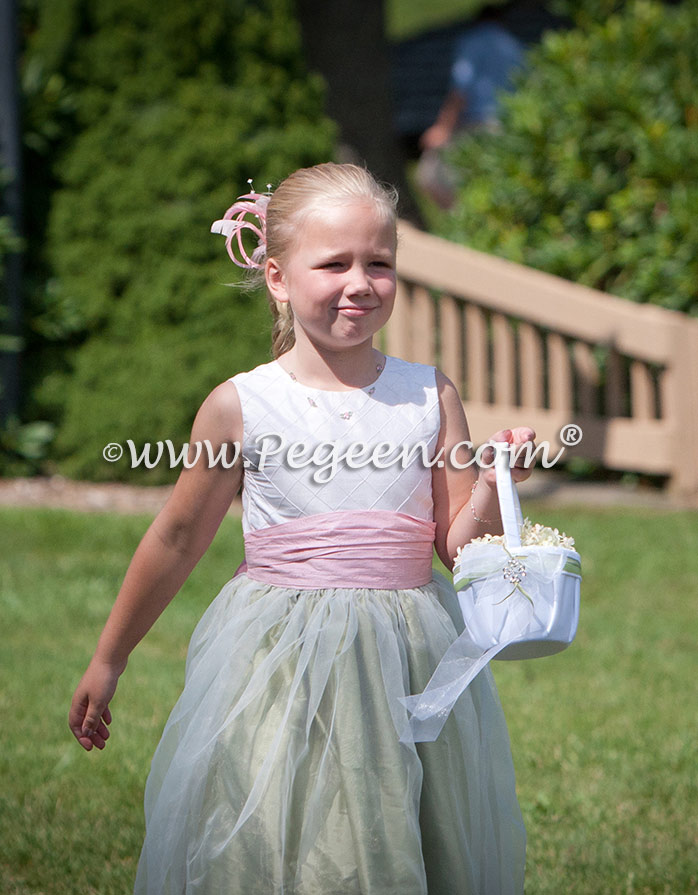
362 548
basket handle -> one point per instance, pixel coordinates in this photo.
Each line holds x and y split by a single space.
509 504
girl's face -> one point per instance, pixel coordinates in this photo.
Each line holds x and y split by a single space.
339 276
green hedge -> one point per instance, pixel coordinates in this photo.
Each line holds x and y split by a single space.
176 104
9 243
594 176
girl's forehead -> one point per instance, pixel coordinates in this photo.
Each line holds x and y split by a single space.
347 221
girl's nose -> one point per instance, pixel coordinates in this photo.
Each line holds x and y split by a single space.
359 282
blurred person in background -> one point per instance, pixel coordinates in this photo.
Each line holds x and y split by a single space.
484 61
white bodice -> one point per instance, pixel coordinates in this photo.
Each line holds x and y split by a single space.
382 439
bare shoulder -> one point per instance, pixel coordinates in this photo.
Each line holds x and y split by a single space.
449 399
224 398
444 385
204 489
220 412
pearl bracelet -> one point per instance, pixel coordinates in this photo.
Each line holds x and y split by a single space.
472 508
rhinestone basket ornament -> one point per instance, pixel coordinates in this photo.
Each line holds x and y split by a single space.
519 593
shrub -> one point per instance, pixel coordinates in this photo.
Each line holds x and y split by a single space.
9 241
177 105
10 342
594 176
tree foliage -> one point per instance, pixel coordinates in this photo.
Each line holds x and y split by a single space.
594 176
8 238
165 110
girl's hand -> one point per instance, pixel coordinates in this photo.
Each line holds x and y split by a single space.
523 439
89 711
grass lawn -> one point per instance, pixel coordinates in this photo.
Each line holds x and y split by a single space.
603 735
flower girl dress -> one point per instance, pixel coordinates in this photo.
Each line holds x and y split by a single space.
281 768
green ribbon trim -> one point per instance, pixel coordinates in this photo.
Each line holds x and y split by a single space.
572 567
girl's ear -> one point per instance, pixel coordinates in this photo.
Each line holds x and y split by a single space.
275 279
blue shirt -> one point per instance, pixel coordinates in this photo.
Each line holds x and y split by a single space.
485 58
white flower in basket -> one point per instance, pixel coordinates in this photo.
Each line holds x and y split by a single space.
518 592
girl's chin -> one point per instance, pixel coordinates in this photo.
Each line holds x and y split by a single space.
348 339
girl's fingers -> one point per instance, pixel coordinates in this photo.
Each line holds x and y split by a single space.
89 710
523 466
89 724
523 433
516 437
506 435
98 740
76 716
85 741
503 435
93 721
102 731
521 473
97 737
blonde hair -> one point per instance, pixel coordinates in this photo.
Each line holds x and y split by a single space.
301 193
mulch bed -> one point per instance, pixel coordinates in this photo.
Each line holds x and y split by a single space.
100 497
114 497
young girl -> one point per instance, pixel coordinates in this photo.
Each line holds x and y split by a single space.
283 767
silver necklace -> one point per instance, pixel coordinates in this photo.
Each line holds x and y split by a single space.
347 414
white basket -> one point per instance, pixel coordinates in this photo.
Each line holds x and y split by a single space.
497 609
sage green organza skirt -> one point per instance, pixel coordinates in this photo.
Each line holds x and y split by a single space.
280 768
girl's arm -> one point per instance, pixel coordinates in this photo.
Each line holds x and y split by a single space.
456 504
169 550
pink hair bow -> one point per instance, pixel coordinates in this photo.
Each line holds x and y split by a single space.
235 221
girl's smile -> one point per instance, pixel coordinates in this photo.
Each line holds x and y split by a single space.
349 311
